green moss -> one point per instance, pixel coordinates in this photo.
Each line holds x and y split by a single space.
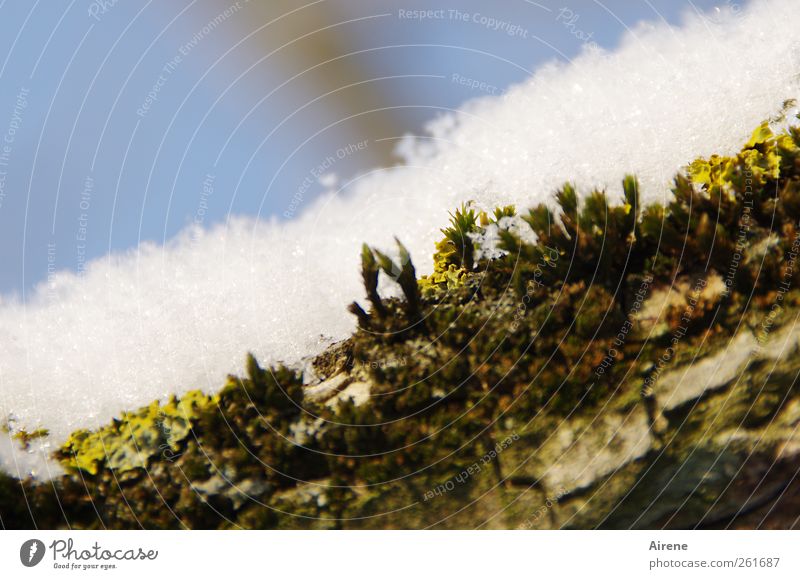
488 347
455 253
457 236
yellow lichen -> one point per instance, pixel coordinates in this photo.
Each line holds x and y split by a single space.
446 275
132 440
25 437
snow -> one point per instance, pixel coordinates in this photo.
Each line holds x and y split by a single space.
159 320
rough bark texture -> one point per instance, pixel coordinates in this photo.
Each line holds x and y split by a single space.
629 369
714 444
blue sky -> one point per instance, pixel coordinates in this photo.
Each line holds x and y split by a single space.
246 113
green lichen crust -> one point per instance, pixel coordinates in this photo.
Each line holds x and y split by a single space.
132 441
632 367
